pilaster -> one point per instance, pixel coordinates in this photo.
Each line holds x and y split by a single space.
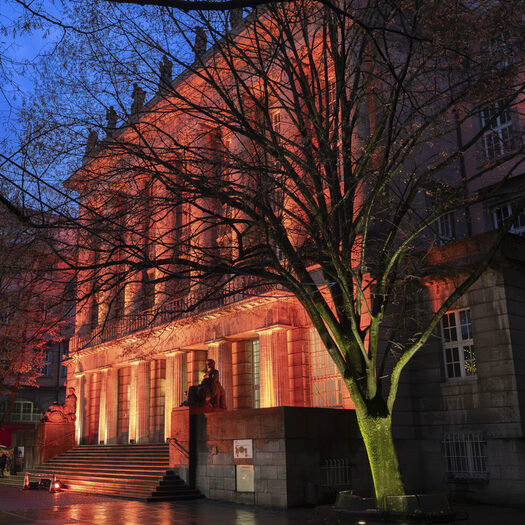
102 421
110 431
179 379
169 393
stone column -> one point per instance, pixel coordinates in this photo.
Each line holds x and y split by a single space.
110 435
78 385
169 393
224 365
133 401
102 406
84 407
180 380
213 353
143 391
274 367
196 366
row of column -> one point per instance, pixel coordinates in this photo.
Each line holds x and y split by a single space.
134 403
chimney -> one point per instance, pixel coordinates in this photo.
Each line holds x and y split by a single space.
235 17
201 41
166 71
138 96
92 142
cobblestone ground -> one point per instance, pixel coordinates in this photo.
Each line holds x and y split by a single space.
19 507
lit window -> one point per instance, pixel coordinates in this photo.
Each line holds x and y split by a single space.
497 139
465 455
326 379
502 213
458 344
253 350
275 117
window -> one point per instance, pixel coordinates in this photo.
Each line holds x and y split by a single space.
22 411
326 380
46 369
253 351
497 140
465 455
502 213
65 354
442 229
445 228
275 118
458 345
500 51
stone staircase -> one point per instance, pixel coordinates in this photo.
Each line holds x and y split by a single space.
131 471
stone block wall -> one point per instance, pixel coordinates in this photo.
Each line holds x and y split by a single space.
489 403
290 446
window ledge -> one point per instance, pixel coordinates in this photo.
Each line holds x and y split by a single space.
468 481
460 380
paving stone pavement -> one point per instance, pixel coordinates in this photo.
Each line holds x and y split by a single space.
19 507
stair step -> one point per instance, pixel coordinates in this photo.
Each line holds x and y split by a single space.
86 468
132 471
173 497
66 474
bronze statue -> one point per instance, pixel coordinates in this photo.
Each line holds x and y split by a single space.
210 392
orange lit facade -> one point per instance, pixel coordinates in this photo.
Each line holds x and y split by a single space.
462 401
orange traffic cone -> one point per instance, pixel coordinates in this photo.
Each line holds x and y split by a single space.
53 486
26 481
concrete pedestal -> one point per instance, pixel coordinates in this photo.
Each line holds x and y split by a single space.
55 439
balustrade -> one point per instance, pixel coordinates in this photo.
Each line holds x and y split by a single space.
196 302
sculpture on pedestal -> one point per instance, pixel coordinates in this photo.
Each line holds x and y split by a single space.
65 413
210 393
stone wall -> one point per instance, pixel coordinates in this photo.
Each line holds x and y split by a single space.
489 403
289 448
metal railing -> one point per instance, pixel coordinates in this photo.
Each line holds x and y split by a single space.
337 473
465 455
174 442
194 303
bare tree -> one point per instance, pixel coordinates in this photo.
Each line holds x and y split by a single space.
310 147
34 304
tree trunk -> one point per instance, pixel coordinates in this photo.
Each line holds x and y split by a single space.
382 457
